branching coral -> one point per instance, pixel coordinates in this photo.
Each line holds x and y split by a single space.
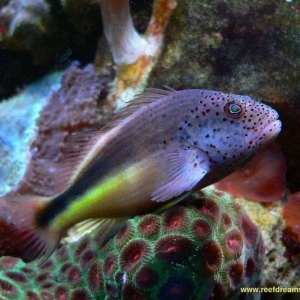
126 44
187 252
133 53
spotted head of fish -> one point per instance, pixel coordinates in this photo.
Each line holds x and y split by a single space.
228 128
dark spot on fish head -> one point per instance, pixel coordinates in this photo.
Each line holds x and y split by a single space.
260 123
226 123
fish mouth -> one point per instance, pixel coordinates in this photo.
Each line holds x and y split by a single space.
263 133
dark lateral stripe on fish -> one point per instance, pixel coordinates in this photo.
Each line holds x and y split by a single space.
87 180
44 217
62 201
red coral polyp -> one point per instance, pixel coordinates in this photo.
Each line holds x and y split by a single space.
129 292
28 271
48 285
80 294
123 236
61 293
17 277
74 276
86 258
177 288
45 295
226 221
219 292
213 256
81 247
234 243
174 248
149 226
174 218
201 229
48 264
133 254
146 278
8 262
250 230
62 253
94 278
41 278
64 269
109 264
30 295
250 267
7 288
209 208
111 291
235 273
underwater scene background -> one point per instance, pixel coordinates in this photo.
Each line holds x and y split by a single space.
67 66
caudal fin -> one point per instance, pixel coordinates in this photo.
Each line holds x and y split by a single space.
20 235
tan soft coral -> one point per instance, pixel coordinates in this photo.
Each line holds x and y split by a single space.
134 54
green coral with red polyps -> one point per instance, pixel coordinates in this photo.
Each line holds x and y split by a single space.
206 248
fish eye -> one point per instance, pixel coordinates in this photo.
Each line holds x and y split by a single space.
233 110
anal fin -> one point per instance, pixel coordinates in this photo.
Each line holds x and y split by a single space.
101 229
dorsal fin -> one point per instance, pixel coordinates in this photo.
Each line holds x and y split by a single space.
78 145
76 148
140 100
158 93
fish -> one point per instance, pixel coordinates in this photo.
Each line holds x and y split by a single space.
163 146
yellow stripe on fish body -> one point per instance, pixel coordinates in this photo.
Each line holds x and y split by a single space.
164 145
113 197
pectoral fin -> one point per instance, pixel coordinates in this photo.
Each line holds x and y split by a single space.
184 169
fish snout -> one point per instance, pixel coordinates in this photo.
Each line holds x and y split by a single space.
265 131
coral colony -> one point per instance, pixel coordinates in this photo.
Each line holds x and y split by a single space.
205 249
